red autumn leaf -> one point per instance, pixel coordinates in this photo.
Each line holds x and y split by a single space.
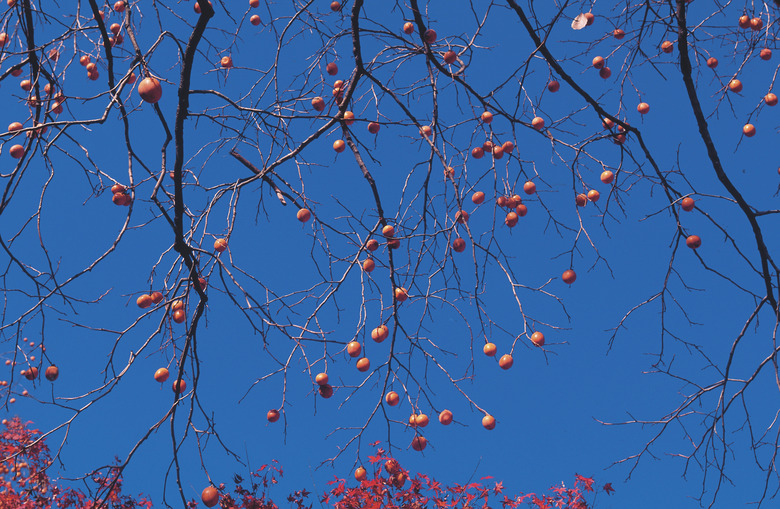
608 488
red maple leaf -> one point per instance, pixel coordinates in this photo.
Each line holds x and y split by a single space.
608 488
587 480
499 488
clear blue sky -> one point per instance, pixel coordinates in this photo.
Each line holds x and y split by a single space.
549 404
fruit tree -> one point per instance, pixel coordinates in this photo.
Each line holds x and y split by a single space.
459 228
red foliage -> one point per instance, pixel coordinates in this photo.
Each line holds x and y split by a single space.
25 481
24 461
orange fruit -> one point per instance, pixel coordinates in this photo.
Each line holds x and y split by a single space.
506 361
272 415
419 443
489 422
363 364
569 276
354 348
537 338
687 204
321 378
445 417
693 241
210 496
161 375
489 349
392 398
303 215
380 333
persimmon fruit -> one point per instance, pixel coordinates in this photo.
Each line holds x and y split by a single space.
339 146
161 375
210 496
179 386
144 301
272 415
52 373
318 103
569 276
363 364
529 187
770 99
667 46
643 108
459 245
598 62
408 28
478 197
749 130
369 265
537 338
607 177
332 68
373 127
380 333
450 57
445 417
593 195
419 443
372 245
150 89
489 349
321 378
506 361
477 152
326 391
712 62
553 86
693 241
537 123
735 85
303 215
487 117
220 245
392 398
401 294
489 422
354 348
687 204
360 474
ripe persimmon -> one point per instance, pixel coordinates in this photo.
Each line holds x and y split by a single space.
179 386
408 28
529 187
459 245
477 152
506 361
445 417
161 375
667 46
462 217
392 398
150 89
332 68
643 108
553 86
255 20
487 117
605 73
508 147
744 21
321 378
618 33
363 364
693 241
489 349
254 3
607 177
450 57
426 131
220 245
589 18
569 276
687 204
388 231
749 130
538 123
372 245
712 62
380 333
144 301
430 36
339 146
360 474
511 219
349 118
335 6
272 415
537 338
756 24
593 195
179 316
16 151
419 443
401 294
521 210
318 103
735 85
373 127
598 62
770 99
210 496
369 265
765 54
354 348
303 215
489 422
478 197
52 373
326 391
31 374
421 420
226 62
581 199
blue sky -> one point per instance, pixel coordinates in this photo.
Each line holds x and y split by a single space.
549 406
